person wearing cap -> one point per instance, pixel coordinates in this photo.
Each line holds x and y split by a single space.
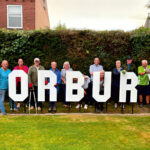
33 81
4 73
129 67
52 105
143 87
20 66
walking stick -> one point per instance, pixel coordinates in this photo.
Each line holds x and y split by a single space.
35 101
29 100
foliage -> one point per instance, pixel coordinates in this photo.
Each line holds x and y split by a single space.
77 46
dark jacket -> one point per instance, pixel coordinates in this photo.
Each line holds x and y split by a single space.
116 77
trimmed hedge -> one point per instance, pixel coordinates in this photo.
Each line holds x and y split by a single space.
77 47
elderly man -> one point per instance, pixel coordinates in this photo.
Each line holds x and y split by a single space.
52 105
129 66
4 72
20 66
33 81
143 87
93 68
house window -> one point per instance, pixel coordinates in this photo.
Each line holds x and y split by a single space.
14 16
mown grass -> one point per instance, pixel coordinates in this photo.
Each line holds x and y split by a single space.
75 132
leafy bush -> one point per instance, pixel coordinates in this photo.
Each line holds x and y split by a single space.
79 47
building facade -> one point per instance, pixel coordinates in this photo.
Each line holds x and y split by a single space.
24 14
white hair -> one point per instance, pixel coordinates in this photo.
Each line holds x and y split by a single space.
66 62
144 61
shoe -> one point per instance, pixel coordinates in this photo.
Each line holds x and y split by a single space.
65 105
85 106
31 108
116 105
141 105
50 109
79 106
54 109
97 110
39 108
122 105
18 105
16 109
4 114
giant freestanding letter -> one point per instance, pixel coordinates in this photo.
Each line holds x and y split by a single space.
12 85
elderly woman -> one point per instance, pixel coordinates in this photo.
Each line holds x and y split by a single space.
4 72
143 87
116 83
66 67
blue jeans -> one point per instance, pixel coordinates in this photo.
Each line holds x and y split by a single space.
12 104
2 97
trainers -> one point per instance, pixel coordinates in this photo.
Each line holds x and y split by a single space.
116 105
85 106
50 109
123 107
54 109
79 106
39 108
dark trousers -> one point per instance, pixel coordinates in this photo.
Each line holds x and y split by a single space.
115 94
85 98
90 93
64 95
39 104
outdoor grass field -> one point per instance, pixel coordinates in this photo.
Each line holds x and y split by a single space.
74 132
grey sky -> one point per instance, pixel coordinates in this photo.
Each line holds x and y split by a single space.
98 14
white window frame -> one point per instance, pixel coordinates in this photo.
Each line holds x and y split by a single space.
8 18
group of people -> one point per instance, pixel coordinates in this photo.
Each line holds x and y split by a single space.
88 101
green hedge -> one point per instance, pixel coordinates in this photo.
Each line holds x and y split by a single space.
78 47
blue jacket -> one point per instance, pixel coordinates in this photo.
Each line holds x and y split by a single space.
4 79
58 74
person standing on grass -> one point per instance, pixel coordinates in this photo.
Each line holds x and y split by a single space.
52 105
85 99
20 66
66 67
116 83
143 87
129 67
4 72
94 68
100 106
33 81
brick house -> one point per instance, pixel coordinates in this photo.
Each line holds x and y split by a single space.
24 14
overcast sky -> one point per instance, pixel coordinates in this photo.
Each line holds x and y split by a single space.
98 14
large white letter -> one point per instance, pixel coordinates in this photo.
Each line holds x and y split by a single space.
12 85
70 86
124 87
96 87
42 75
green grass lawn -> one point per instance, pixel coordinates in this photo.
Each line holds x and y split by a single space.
74 132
